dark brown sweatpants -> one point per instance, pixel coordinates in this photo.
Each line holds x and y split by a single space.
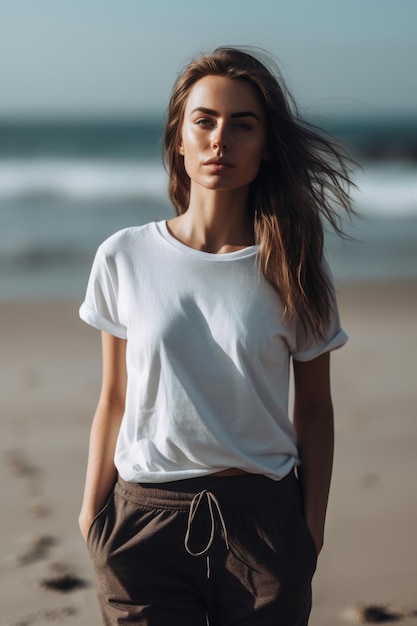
255 570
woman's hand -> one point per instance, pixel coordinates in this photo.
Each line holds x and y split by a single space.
85 522
318 536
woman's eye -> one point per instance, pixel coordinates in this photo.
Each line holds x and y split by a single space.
242 126
204 122
208 123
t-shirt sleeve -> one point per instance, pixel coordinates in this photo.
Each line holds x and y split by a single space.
307 346
101 304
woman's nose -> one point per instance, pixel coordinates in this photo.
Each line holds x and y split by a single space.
220 141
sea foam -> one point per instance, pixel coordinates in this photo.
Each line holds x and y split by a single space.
386 189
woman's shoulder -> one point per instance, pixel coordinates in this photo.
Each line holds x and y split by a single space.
127 239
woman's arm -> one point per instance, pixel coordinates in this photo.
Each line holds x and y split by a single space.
313 422
101 472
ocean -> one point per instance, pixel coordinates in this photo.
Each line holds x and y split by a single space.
67 185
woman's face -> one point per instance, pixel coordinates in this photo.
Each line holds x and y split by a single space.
223 136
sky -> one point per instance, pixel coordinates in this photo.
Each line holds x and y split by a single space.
120 57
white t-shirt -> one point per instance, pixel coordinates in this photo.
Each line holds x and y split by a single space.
208 356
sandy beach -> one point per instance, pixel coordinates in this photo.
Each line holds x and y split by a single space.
49 384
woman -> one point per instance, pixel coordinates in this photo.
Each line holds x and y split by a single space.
203 502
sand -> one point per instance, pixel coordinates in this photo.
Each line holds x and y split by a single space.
49 383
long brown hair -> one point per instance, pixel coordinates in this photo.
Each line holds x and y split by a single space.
305 177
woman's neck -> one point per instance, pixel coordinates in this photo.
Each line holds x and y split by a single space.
216 222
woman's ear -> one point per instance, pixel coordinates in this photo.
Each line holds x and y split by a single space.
181 149
266 155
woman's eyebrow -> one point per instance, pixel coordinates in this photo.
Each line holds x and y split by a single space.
216 113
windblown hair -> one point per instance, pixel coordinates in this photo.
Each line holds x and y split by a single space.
305 178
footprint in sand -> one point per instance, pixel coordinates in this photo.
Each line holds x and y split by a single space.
62 579
37 549
38 510
377 614
369 480
42 616
23 469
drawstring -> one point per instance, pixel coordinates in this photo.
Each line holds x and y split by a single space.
195 503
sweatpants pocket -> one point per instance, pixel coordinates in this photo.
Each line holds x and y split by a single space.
94 530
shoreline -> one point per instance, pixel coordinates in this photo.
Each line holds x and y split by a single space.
49 389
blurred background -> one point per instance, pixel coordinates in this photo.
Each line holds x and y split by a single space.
85 85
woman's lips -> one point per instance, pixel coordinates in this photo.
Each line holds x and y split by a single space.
218 165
